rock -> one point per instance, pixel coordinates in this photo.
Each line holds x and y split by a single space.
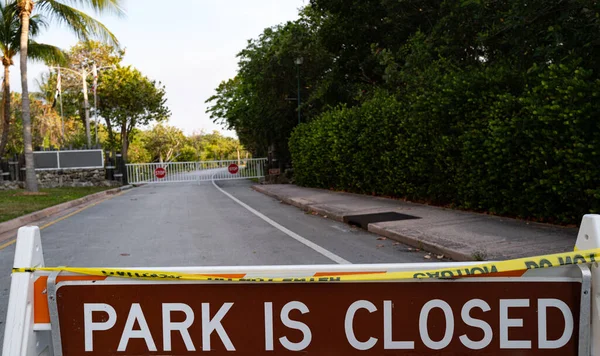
74 178
9 185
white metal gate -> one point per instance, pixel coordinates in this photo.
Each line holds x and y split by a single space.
174 172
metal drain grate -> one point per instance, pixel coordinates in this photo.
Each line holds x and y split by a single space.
364 220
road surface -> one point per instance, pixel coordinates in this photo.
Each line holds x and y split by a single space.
200 224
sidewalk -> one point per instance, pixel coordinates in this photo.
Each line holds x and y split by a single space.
462 236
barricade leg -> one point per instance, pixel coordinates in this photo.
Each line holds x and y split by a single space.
19 337
589 238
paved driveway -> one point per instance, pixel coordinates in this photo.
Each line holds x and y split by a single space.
198 224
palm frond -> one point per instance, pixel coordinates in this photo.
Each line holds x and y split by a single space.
10 28
37 23
83 25
46 53
113 7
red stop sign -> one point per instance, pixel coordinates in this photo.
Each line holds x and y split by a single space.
233 168
160 172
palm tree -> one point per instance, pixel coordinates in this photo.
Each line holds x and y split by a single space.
82 25
10 37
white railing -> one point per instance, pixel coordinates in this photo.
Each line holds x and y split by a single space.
175 172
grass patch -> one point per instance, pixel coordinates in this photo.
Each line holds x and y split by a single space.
15 203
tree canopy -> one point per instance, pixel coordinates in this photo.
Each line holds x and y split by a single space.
165 143
129 99
482 104
82 25
10 45
352 48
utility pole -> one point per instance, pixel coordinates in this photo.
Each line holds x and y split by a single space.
58 96
86 105
95 87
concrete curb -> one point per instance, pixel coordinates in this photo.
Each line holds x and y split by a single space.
454 254
428 246
303 206
41 214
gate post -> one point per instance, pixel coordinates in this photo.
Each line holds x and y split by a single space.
121 169
110 165
124 170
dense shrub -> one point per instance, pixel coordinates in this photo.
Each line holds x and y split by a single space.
476 139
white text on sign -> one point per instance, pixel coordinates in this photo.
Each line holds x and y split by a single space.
211 318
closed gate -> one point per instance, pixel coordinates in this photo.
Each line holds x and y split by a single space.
174 172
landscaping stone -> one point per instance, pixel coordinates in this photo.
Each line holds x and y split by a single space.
74 178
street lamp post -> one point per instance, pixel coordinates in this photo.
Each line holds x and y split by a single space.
298 62
83 75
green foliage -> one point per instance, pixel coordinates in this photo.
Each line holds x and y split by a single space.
137 152
80 56
260 102
186 154
81 24
164 143
10 36
46 127
214 146
466 141
481 104
129 99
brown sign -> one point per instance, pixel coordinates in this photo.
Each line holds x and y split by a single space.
416 318
274 171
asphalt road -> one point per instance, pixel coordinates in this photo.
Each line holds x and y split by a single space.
197 224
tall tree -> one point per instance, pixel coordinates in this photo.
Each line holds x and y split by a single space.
84 55
82 25
10 41
129 99
164 142
260 102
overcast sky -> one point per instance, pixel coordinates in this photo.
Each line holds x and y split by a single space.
190 47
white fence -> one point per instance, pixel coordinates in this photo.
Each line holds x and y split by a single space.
176 172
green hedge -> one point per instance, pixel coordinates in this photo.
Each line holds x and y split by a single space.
479 139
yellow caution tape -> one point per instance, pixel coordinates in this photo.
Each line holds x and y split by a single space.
521 264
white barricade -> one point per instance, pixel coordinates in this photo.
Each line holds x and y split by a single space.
555 309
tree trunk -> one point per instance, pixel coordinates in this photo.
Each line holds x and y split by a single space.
124 141
6 111
111 135
30 178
